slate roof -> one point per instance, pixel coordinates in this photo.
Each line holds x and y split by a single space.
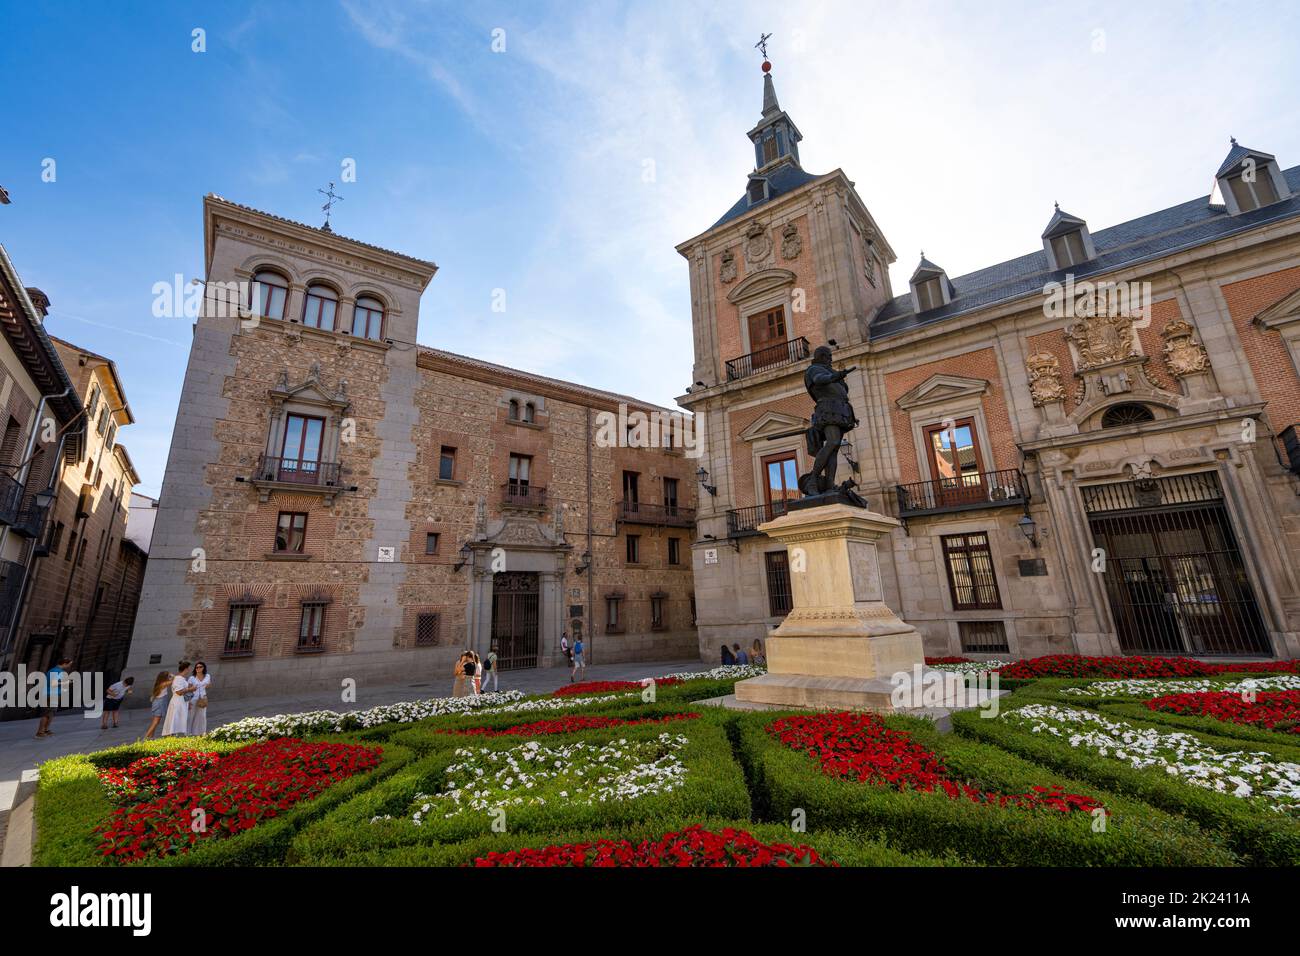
1157 234
784 179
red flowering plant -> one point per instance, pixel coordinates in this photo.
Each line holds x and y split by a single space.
151 777
565 725
1074 665
252 784
932 661
692 847
860 747
1275 710
605 686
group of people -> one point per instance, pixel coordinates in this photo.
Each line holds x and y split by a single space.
735 654
473 673
575 655
179 701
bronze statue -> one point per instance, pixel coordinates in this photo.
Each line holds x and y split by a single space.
832 419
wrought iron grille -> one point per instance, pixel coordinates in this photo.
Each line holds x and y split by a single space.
515 616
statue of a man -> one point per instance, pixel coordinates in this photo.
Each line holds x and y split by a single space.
832 419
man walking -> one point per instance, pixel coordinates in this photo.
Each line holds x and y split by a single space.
579 662
56 677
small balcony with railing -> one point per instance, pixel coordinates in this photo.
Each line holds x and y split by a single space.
21 511
522 495
742 522
670 515
11 498
296 474
970 492
769 357
11 586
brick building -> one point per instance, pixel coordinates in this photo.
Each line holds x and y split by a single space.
1092 447
340 502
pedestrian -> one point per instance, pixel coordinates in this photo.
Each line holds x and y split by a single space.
463 672
199 682
56 680
741 656
490 670
728 658
758 655
564 648
159 698
579 662
113 698
478 673
177 721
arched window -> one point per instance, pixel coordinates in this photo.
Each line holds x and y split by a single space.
368 318
273 291
319 307
514 410
529 411
1118 416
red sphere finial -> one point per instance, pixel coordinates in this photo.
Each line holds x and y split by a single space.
767 67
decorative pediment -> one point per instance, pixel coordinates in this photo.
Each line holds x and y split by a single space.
520 531
311 391
942 388
770 424
1284 311
760 284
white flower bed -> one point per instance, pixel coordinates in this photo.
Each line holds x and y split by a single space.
557 703
1159 687
722 672
533 774
1258 777
970 667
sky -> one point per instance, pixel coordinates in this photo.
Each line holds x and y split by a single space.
559 151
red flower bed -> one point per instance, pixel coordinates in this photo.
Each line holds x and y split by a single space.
859 747
1072 665
565 725
605 686
240 790
150 777
1276 710
931 661
693 846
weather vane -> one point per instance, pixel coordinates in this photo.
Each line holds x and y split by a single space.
761 45
333 198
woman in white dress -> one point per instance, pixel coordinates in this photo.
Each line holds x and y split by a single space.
199 682
178 711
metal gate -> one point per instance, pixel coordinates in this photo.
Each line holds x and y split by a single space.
515 602
1173 573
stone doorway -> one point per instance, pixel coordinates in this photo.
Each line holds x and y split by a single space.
516 597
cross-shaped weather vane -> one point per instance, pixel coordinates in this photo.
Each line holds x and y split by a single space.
761 45
333 198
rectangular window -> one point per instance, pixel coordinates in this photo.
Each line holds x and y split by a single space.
767 330
634 549
955 458
81 553
521 467
431 543
56 537
971 580
670 497
447 463
311 628
300 452
658 618
779 600
930 294
1068 249
983 637
72 546
291 532
426 630
782 482
674 550
613 614
769 149
240 629
631 493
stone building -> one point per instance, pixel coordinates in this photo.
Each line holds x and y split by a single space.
1092 447
341 502
85 584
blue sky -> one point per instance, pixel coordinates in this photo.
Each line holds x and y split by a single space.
526 170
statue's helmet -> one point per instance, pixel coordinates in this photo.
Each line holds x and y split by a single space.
822 353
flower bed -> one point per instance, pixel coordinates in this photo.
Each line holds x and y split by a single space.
565 725
605 686
150 777
859 747
1147 688
692 847
957 665
1073 665
1278 710
233 795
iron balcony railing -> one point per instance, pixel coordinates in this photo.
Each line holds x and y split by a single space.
30 519
783 353
518 494
989 489
11 498
743 521
297 471
11 585
641 512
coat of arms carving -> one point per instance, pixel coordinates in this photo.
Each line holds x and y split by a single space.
1045 385
758 246
1183 354
727 270
791 244
1101 339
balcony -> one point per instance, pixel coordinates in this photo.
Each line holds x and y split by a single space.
670 515
517 494
11 585
992 489
296 474
774 356
11 498
742 522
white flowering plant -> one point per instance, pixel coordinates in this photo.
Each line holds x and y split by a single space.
1147 688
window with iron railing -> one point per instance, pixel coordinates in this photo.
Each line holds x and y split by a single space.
779 599
971 581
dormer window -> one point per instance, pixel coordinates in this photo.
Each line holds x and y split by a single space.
1248 180
930 287
1067 241
930 293
1068 249
757 190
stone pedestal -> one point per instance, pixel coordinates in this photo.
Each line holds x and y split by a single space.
841 644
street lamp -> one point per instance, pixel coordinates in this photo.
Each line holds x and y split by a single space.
701 475
466 553
1028 528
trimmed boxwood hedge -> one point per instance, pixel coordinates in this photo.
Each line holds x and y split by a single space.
1250 736
786 780
1260 837
715 787
71 802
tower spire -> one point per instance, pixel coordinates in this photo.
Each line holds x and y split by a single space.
775 138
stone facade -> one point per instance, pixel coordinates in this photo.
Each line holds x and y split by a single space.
1178 408
415 520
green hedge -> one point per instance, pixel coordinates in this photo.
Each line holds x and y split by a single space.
1248 735
843 849
714 787
785 781
1260 837
71 802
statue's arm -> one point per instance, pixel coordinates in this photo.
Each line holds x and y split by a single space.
825 376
